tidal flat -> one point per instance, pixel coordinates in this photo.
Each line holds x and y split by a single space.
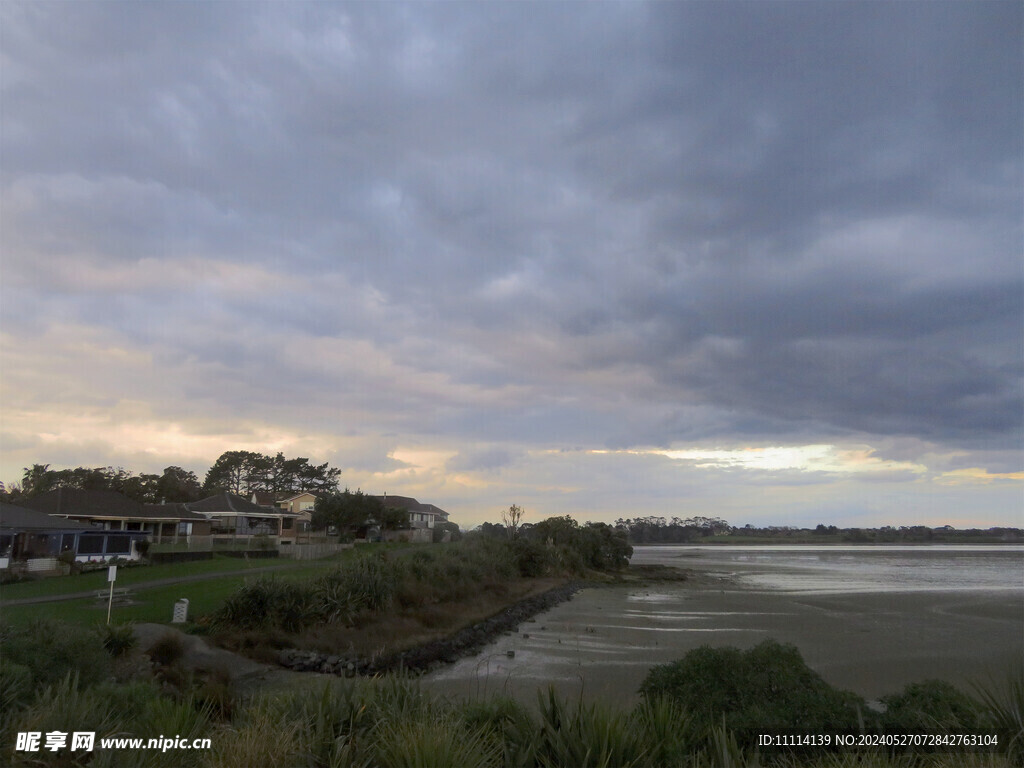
872 640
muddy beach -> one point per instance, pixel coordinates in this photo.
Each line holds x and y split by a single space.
600 644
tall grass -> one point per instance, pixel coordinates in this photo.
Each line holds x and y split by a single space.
1003 712
369 585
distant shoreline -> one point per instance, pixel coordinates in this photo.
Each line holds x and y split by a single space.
865 544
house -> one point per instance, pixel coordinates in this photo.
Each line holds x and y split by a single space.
298 503
235 517
265 498
301 505
422 518
420 515
113 511
38 539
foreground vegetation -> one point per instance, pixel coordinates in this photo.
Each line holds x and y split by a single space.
705 710
386 602
710 708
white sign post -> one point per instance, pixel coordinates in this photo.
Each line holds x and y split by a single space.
111 577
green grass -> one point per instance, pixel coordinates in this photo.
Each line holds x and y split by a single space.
126 577
155 604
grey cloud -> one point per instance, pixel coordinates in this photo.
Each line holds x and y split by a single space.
543 197
487 459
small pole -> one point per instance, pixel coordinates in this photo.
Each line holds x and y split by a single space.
111 577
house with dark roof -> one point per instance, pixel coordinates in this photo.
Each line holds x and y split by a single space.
422 518
36 539
235 517
113 511
420 515
265 498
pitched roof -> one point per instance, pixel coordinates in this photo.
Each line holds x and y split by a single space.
13 517
293 496
173 511
266 498
78 503
409 504
229 502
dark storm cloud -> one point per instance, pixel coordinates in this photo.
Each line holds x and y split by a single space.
611 224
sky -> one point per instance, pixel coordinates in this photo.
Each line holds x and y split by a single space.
758 261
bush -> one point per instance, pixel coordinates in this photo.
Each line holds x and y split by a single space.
166 649
118 639
766 689
532 558
52 650
933 706
269 603
1003 713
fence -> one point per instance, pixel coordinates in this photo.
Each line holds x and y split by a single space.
312 551
215 544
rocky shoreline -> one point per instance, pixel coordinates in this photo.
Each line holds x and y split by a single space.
422 658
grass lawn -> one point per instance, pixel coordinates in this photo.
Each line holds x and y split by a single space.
154 604
127 576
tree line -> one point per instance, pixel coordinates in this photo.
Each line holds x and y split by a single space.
659 530
239 472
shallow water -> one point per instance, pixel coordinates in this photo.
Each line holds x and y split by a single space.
854 569
868 621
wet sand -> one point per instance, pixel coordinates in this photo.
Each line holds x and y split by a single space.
601 644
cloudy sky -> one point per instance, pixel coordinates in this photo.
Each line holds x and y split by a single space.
753 260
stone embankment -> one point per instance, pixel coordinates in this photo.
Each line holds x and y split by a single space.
465 642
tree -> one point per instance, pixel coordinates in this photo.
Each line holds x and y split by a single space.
345 511
511 519
451 529
244 472
178 485
556 530
38 479
236 472
393 518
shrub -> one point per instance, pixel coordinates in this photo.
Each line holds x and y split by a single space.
15 684
415 744
933 706
63 706
766 689
118 639
587 735
67 557
268 602
166 649
1003 713
532 558
51 650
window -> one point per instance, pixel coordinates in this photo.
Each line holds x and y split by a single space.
90 545
67 542
6 542
119 545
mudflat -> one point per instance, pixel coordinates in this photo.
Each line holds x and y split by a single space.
601 644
